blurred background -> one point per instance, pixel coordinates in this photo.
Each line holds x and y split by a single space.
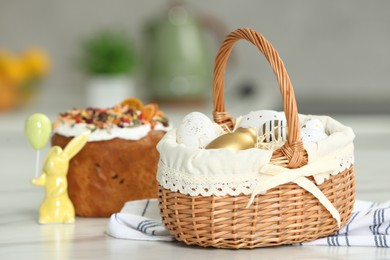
336 52
56 55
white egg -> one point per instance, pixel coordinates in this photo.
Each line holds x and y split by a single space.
196 130
312 135
313 123
257 119
271 124
312 130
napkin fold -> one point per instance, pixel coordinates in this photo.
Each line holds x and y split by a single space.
138 220
369 225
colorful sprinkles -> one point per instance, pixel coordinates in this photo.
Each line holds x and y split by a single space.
121 115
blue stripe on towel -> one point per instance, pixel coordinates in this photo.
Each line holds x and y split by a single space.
386 231
347 240
382 220
354 215
379 219
375 220
376 241
369 211
146 207
333 240
117 219
142 224
338 237
372 227
151 226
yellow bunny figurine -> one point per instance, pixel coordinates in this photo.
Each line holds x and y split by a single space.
56 206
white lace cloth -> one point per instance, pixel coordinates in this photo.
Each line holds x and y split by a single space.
223 172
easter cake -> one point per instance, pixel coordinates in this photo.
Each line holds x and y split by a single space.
119 161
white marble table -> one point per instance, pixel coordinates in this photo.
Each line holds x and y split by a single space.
22 238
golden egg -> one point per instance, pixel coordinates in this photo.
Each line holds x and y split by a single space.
241 139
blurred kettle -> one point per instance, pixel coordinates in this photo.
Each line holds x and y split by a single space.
179 60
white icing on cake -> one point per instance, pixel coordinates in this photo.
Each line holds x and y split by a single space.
127 133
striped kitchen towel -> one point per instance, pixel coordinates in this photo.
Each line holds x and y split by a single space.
139 220
369 225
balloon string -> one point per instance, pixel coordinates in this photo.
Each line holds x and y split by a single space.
37 165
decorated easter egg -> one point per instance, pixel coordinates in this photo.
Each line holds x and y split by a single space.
270 125
313 123
312 135
312 130
241 139
196 130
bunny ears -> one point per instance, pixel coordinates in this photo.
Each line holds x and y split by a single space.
75 145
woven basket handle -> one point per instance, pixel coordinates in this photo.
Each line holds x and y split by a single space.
293 149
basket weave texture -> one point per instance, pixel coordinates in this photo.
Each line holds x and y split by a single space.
286 214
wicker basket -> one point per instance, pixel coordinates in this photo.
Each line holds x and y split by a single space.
286 214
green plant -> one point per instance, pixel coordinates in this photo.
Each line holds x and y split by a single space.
108 52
